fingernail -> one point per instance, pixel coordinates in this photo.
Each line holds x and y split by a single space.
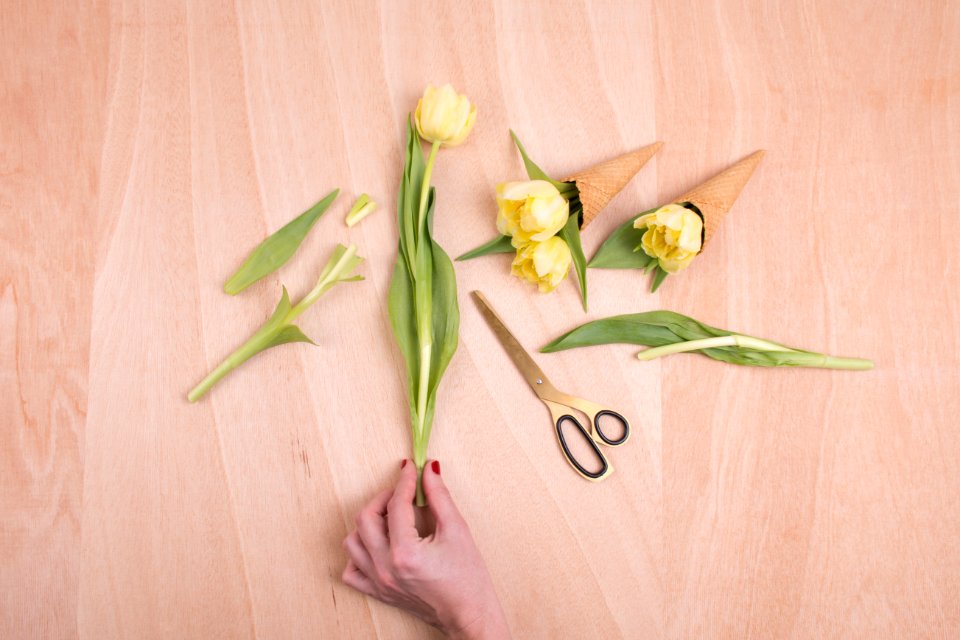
403 463
435 465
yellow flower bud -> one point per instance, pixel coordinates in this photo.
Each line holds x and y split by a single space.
444 116
545 263
530 211
673 236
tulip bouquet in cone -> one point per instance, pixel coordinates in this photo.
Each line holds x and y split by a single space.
540 219
666 239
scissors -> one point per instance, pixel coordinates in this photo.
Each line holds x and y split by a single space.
559 403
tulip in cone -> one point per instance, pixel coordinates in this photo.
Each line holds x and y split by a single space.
716 196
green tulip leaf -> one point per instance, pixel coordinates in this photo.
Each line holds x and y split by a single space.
659 275
667 333
618 251
500 244
277 249
289 333
571 234
567 189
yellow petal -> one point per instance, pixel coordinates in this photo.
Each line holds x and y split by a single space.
544 217
645 220
526 189
692 232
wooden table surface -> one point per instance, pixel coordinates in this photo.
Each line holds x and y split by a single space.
145 147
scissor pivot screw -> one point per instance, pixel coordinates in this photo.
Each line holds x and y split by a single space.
539 381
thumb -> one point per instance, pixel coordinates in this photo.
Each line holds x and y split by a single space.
438 496
400 514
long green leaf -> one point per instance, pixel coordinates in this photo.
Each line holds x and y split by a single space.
273 253
571 234
651 328
446 309
500 244
534 171
618 251
446 320
403 320
661 328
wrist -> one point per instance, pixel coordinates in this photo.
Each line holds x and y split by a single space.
486 623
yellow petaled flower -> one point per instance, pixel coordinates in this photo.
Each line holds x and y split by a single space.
543 263
530 211
673 236
444 116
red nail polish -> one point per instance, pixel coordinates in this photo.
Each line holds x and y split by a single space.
435 465
403 463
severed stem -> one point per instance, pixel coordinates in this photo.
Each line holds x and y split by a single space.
801 358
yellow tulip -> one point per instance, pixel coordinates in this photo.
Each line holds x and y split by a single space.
530 211
545 264
673 236
444 116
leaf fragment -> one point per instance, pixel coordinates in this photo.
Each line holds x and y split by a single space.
277 249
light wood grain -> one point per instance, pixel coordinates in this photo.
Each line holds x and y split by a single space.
146 146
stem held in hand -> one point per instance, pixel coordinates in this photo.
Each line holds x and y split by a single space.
423 297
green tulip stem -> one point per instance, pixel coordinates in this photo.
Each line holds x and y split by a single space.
332 274
250 348
748 342
710 343
343 261
425 191
569 190
423 287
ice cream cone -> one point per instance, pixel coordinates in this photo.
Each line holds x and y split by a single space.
715 196
600 183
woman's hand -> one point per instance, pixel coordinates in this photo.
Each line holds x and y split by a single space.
440 578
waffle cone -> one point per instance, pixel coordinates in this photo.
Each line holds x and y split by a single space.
601 182
715 196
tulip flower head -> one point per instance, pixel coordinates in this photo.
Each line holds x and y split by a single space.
531 211
443 116
673 236
545 264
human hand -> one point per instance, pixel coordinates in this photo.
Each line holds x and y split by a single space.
440 578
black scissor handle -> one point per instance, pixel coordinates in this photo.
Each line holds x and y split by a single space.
616 417
592 475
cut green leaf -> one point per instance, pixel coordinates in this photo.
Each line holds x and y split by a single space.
279 328
273 253
571 234
668 332
422 300
500 244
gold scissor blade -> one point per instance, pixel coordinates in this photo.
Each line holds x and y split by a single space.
534 376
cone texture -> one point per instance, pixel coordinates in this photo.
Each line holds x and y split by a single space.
715 196
600 183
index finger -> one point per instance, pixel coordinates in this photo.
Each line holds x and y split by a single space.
400 515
